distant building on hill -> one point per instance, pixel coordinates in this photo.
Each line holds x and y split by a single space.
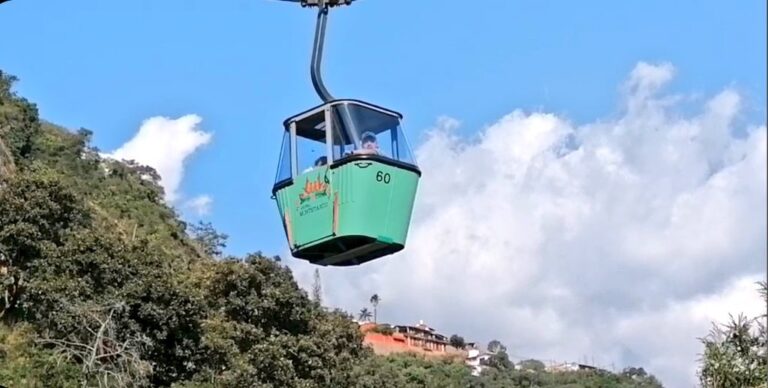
423 336
420 338
477 360
570 367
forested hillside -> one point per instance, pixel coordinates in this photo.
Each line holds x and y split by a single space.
104 285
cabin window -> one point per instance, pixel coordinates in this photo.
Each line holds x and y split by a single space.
284 164
355 126
311 148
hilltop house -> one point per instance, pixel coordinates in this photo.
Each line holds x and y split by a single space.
423 336
476 360
419 338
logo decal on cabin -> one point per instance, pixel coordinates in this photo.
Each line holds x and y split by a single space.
314 189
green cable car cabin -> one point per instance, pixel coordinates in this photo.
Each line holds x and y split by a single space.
346 183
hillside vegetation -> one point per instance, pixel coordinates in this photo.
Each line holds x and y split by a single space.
102 284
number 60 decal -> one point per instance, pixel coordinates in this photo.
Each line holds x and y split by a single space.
383 177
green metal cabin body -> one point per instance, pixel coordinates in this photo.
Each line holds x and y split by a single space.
357 206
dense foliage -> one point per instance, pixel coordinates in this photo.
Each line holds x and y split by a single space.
102 284
411 371
736 353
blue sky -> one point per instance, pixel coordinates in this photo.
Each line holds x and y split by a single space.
650 223
243 67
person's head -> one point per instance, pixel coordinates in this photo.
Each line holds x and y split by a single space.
321 161
368 141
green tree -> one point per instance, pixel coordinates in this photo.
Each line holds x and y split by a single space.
408 370
19 122
634 372
495 346
364 314
108 280
25 364
211 241
375 302
37 214
263 329
531 364
457 341
734 352
105 359
499 360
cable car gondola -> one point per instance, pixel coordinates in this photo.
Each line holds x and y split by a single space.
346 179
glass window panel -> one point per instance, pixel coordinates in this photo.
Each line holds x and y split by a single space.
355 126
400 147
311 153
284 163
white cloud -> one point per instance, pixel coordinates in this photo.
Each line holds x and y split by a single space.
201 204
676 325
619 239
165 144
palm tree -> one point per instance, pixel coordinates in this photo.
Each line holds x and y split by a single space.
375 302
364 314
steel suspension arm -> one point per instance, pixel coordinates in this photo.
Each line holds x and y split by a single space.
317 53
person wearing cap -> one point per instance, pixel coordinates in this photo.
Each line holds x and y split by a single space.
369 144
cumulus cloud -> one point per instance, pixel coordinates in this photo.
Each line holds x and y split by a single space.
668 333
200 205
617 240
166 144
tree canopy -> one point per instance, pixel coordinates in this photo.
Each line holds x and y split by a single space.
103 284
736 352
